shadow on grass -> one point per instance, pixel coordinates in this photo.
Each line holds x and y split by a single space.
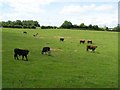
94 52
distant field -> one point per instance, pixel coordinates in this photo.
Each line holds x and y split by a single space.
69 66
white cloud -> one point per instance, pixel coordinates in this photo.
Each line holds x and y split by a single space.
28 5
104 14
29 2
71 9
87 0
74 9
101 14
21 9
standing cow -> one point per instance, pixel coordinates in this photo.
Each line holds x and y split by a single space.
89 41
20 52
82 41
25 32
46 49
35 34
91 47
62 39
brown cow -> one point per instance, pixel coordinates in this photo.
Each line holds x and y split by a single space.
91 47
82 41
35 34
89 41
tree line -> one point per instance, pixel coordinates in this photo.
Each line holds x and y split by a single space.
82 26
117 28
66 25
20 24
69 25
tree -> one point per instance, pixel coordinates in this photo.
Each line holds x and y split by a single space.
117 28
75 26
95 27
90 26
36 24
20 24
67 25
82 25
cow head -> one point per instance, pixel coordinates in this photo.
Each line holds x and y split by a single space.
27 51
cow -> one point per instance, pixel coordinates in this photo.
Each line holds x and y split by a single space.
20 52
82 41
89 41
46 49
35 34
91 47
62 39
25 32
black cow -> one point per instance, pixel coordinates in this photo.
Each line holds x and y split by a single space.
62 39
20 52
46 49
89 41
34 35
82 41
25 32
91 47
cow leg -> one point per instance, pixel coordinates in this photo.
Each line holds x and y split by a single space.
22 57
16 56
93 49
45 53
26 58
42 52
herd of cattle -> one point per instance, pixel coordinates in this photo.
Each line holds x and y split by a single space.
24 53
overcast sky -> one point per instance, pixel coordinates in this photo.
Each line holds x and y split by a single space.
55 12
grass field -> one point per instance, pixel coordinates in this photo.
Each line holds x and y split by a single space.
69 66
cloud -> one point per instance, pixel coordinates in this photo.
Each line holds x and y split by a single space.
21 9
87 0
56 11
74 9
91 14
24 2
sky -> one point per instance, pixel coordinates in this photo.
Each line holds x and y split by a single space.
55 12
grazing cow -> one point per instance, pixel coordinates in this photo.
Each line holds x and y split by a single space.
91 47
35 35
20 52
46 49
82 41
89 41
25 32
62 39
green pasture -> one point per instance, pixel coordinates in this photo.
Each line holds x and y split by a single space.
69 66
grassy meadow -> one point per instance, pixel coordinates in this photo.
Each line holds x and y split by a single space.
69 66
